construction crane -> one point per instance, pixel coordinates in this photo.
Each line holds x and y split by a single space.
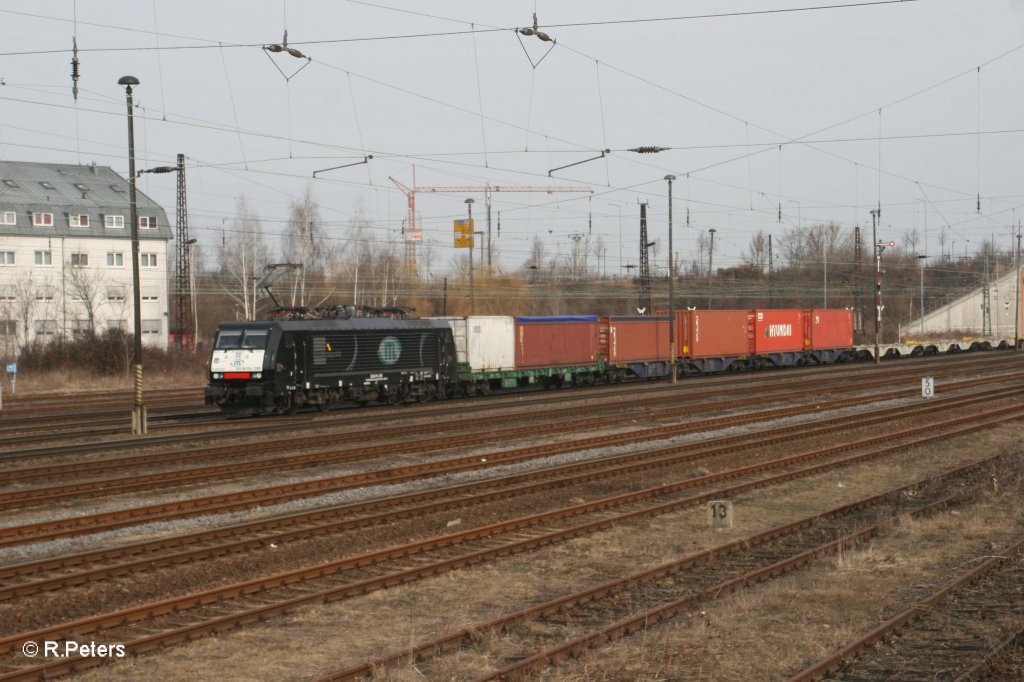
414 233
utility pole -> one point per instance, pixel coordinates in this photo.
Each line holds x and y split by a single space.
986 303
472 238
858 305
671 277
771 275
921 260
645 264
1016 322
711 258
875 214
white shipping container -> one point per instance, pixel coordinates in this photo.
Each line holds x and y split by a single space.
485 342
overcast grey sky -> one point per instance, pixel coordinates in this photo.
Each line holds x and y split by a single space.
826 112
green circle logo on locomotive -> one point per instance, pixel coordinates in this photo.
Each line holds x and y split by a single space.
389 350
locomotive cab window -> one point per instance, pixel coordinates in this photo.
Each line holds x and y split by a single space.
234 339
255 338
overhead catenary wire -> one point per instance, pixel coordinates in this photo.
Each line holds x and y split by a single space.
779 192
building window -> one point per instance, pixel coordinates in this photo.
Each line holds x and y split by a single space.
44 257
147 260
150 294
47 184
7 292
115 259
117 324
116 293
11 183
150 327
147 222
6 258
79 260
46 327
79 326
117 188
81 187
8 328
8 218
42 220
80 220
113 222
44 293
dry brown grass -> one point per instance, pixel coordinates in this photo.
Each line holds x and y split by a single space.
84 381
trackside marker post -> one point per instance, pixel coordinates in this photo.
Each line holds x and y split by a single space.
720 514
927 387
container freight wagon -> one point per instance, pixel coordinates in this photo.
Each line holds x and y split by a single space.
635 346
485 346
709 341
831 335
778 337
558 349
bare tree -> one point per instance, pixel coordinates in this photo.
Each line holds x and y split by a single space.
757 251
243 259
304 243
87 289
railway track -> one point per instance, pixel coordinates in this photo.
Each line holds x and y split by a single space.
234 466
959 629
175 620
58 572
230 429
245 499
610 610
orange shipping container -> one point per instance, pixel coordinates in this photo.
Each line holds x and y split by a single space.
635 339
830 329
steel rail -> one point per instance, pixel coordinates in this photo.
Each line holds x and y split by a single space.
351 418
246 499
830 663
454 640
24 497
217 595
457 496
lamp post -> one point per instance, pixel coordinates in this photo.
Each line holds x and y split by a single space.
921 258
711 256
472 238
139 426
671 277
192 295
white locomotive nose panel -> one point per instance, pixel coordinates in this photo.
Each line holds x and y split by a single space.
241 360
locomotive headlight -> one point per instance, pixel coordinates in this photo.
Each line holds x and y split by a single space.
216 375
257 375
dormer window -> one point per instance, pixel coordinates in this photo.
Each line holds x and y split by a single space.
42 220
113 222
80 220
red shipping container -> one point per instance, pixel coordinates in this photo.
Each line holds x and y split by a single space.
556 341
712 333
830 329
778 331
635 339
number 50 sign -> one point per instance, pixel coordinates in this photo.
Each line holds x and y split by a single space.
927 387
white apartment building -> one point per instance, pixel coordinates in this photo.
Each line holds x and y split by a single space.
65 255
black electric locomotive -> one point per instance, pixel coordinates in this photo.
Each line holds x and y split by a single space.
279 366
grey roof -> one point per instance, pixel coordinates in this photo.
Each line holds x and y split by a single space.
61 189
